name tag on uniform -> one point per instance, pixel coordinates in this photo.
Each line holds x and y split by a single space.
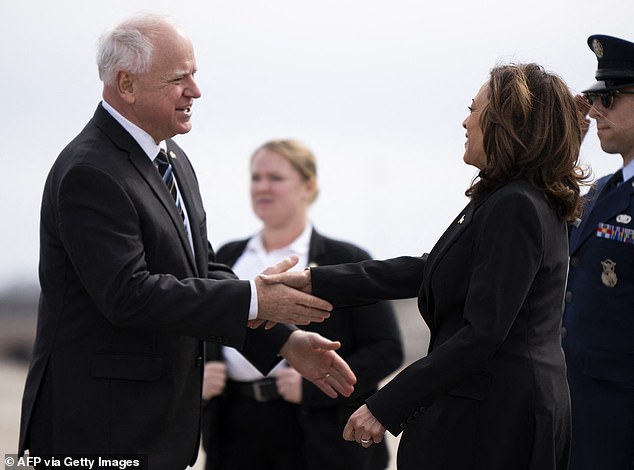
614 232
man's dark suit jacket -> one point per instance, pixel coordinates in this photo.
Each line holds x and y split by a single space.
599 331
118 356
492 391
370 344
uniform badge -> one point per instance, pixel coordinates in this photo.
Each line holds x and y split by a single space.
608 276
597 47
624 218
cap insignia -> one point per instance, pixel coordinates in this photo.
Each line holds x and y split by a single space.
597 47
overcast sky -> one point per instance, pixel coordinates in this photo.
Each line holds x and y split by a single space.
377 89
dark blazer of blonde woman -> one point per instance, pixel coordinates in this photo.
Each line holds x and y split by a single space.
370 344
491 393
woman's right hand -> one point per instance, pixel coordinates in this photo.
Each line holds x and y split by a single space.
300 280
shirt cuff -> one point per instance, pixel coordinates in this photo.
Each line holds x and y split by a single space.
253 307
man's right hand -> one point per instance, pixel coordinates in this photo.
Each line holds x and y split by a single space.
279 303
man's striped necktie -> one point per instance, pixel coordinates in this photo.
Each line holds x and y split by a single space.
166 171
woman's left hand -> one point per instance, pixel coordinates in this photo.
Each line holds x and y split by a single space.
364 428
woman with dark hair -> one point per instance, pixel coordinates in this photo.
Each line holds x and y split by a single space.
491 393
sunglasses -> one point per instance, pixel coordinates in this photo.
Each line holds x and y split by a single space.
607 97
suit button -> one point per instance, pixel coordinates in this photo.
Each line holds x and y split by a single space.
574 261
568 297
564 332
199 361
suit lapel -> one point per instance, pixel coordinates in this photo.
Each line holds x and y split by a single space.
122 139
316 250
446 241
455 229
148 172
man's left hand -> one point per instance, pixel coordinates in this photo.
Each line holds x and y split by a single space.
314 357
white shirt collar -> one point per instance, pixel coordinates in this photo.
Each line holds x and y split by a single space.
145 140
300 246
628 171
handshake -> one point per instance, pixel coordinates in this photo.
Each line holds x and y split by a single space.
284 297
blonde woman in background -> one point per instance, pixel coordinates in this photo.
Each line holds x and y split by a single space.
248 415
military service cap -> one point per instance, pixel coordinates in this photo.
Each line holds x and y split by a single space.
615 63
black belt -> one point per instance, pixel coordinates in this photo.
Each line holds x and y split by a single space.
259 390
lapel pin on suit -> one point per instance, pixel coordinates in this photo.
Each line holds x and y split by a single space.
608 276
461 219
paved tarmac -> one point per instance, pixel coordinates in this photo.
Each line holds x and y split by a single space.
13 373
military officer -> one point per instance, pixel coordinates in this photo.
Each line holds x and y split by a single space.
599 311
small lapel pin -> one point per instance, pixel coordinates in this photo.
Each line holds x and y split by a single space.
461 219
172 155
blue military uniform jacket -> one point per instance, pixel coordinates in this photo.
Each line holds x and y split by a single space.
599 329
